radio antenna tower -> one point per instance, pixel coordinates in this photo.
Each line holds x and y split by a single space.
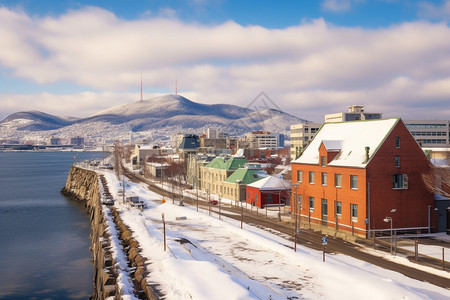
142 98
176 86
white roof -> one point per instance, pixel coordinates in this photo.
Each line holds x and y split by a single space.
271 183
332 145
351 139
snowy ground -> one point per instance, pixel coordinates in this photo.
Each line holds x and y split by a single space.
208 258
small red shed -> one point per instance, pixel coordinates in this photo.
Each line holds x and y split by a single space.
268 191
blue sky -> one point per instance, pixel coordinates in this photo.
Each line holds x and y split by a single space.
311 57
267 13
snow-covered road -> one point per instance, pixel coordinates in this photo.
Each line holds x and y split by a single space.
208 258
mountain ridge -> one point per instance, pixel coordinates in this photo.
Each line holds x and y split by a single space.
160 112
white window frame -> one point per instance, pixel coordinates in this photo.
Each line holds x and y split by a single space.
336 176
324 178
401 183
352 177
311 176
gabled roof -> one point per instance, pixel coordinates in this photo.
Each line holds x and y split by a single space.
227 163
351 139
190 141
271 183
332 145
246 176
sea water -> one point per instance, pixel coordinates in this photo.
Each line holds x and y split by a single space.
44 238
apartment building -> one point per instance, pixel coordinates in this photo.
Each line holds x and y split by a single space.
430 133
301 136
262 139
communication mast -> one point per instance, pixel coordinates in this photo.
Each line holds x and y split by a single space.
142 98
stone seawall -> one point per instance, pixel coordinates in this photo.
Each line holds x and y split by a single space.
83 186
90 189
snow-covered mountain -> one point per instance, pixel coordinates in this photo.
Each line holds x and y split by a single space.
35 120
169 111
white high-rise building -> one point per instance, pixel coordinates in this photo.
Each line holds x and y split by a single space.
301 135
355 113
262 139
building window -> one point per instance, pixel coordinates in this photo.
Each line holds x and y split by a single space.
311 177
311 203
256 198
324 207
324 179
248 195
354 212
397 161
397 142
339 208
323 161
400 181
338 180
354 182
299 175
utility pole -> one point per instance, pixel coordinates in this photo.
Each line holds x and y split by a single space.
242 215
164 231
220 197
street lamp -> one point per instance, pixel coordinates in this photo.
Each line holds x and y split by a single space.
389 220
296 215
237 187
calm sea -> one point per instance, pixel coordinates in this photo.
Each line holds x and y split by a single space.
44 238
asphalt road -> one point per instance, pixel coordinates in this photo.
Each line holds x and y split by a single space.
313 239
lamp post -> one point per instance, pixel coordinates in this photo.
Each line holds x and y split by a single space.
237 187
296 216
389 220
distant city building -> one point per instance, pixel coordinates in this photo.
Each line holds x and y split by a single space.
262 139
280 140
213 143
54 141
232 142
77 141
189 144
355 113
430 133
142 152
301 135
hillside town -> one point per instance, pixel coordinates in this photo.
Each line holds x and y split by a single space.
356 174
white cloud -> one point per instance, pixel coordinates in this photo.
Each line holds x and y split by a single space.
336 5
310 69
435 11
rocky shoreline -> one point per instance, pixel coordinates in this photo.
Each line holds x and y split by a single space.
89 189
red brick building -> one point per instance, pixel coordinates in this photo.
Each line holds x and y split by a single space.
355 174
268 191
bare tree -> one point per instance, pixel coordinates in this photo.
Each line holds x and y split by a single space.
437 179
117 159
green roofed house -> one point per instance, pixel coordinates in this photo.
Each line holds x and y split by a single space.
234 185
219 169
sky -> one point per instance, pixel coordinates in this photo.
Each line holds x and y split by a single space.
75 58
